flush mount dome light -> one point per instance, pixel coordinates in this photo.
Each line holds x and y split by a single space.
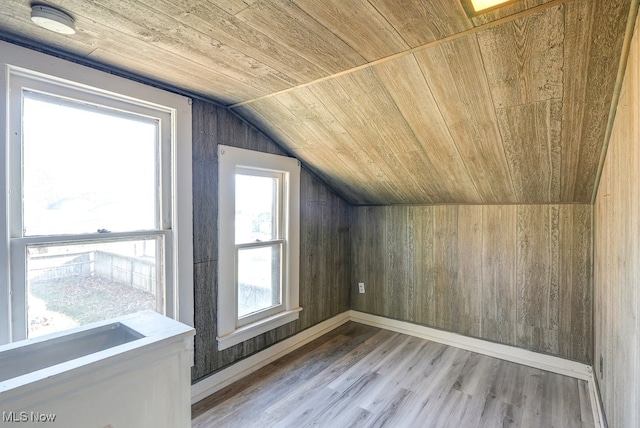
53 19
476 7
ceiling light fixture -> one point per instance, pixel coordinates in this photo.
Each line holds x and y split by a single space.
476 7
53 19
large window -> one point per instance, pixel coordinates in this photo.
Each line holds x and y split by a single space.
259 243
94 228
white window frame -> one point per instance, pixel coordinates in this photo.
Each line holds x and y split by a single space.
21 67
231 330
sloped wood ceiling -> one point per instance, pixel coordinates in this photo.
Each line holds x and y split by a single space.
389 101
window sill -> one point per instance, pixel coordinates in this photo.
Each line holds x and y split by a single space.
252 330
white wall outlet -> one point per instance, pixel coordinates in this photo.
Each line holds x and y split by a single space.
361 287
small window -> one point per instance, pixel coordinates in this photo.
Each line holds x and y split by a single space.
259 243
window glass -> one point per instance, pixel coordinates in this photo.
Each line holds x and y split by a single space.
87 168
259 283
74 284
256 201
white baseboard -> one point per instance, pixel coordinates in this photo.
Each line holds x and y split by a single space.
513 354
242 368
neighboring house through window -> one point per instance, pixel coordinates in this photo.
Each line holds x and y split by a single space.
98 218
259 205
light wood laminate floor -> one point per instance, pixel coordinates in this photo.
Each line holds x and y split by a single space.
362 376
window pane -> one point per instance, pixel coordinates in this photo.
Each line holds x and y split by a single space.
74 284
256 208
86 168
258 278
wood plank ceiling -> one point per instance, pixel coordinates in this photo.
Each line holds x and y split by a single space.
389 101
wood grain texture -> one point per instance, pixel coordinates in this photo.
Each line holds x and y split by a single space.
324 237
358 375
360 25
423 21
469 283
532 140
287 23
534 278
523 59
499 293
524 64
286 63
514 274
464 98
387 104
583 132
600 75
429 127
141 21
617 258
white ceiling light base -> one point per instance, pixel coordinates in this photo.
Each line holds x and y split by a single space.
53 19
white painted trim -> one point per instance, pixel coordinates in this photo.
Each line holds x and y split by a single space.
485 347
596 402
229 160
261 326
242 368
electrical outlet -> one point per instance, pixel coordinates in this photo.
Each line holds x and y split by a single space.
361 287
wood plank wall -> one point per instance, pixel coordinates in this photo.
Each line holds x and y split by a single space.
514 274
617 258
324 236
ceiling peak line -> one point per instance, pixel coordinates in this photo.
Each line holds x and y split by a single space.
430 44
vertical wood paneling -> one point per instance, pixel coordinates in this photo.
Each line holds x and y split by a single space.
533 277
445 261
205 177
617 258
424 310
324 235
368 257
398 274
495 271
575 244
498 316
205 275
469 283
